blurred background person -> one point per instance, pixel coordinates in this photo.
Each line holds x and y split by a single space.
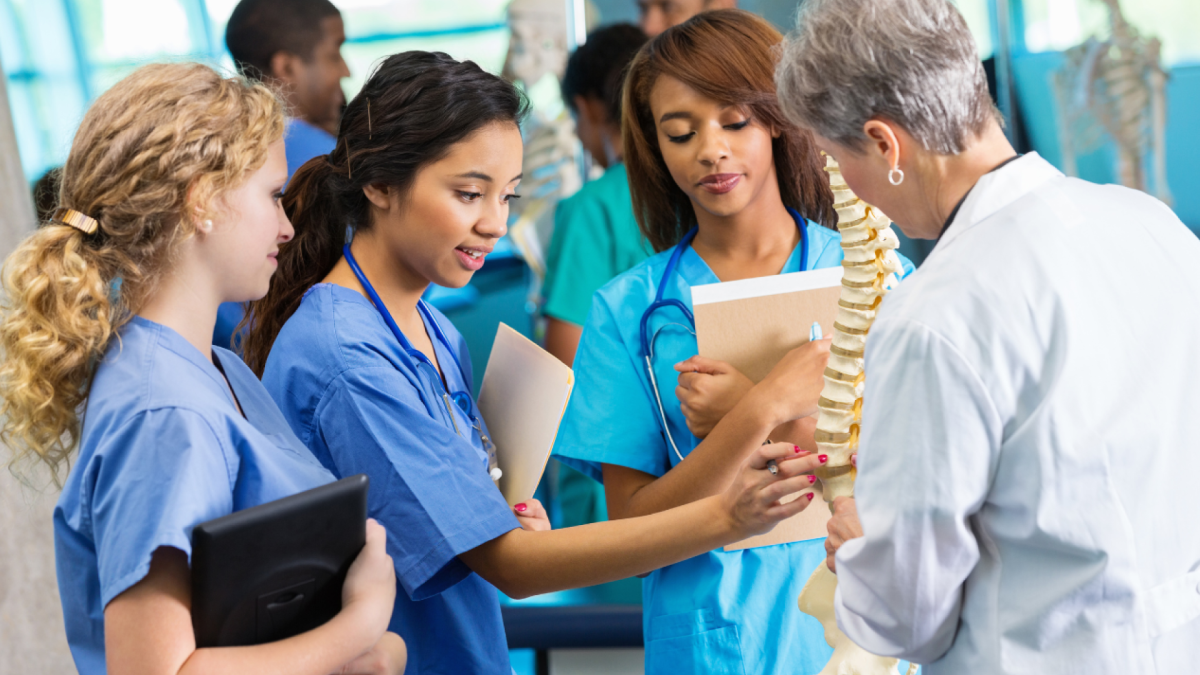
295 46
655 16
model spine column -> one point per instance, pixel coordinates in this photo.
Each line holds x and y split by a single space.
870 269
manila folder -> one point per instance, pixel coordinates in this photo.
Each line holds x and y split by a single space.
522 399
751 324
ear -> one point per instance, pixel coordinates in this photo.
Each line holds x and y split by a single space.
379 195
592 109
285 67
882 141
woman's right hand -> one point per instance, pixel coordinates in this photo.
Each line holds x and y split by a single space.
753 499
370 585
794 385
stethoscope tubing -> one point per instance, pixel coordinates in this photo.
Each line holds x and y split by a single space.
660 303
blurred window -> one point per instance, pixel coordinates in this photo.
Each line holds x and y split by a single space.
58 55
1055 25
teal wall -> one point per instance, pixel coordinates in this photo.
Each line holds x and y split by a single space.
1036 99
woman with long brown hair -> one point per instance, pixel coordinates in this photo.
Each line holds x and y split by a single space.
725 188
376 381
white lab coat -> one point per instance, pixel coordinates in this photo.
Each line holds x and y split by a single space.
1029 467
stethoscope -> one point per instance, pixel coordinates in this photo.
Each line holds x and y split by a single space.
661 303
421 363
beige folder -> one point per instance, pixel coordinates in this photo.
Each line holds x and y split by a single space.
751 324
522 399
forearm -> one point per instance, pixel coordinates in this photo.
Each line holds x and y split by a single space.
708 468
522 563
320 651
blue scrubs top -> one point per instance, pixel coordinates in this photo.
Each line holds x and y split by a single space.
163 449
343 382
718 612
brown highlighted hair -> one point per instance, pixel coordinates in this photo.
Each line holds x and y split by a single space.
729 56
409 113
152 156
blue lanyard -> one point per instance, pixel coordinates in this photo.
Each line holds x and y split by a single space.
410 351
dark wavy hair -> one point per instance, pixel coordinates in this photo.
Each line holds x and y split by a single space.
728 56
412 109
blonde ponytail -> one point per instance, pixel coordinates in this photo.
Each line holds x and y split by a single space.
164 144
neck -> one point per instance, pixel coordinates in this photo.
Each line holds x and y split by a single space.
950 177
397 286
187 305
612 146
762 230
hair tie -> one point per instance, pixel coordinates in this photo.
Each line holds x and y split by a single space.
70 217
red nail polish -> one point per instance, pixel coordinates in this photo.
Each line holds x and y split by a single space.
812 479
810 496
822 458
796 448
520 507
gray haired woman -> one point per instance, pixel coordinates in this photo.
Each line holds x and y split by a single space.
1029 444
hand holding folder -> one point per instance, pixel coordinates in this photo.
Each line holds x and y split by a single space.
751 324
523 397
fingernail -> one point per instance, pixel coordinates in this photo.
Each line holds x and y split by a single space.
520 507
796 447
812 479
822 458
810 496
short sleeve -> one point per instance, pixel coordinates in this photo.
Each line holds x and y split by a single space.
161 474
580 259
429 487
612 416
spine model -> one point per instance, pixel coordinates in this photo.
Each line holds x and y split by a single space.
870 268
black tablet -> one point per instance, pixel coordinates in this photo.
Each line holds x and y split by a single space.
276 570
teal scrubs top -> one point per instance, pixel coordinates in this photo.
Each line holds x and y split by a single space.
163 449
596 237
345 386
718 612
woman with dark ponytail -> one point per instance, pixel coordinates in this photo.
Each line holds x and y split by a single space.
375 381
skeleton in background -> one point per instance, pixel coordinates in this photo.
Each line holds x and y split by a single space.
870 269
1120 84
537 57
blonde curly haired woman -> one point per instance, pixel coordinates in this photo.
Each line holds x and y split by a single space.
169 207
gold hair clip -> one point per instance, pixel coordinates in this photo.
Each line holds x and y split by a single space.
75 219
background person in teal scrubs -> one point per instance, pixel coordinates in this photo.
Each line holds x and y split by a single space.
112 318
595 236
707 146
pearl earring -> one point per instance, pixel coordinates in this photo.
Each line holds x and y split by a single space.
206 226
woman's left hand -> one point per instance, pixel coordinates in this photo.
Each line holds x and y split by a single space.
532 516
843 527
708 389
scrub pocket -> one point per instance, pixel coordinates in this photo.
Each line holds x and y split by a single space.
693 642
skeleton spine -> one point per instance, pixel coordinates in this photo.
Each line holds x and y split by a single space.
870 269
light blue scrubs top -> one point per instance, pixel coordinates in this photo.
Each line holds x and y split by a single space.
163 449
718 612
341 379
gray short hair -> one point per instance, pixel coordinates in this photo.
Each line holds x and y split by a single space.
913 62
